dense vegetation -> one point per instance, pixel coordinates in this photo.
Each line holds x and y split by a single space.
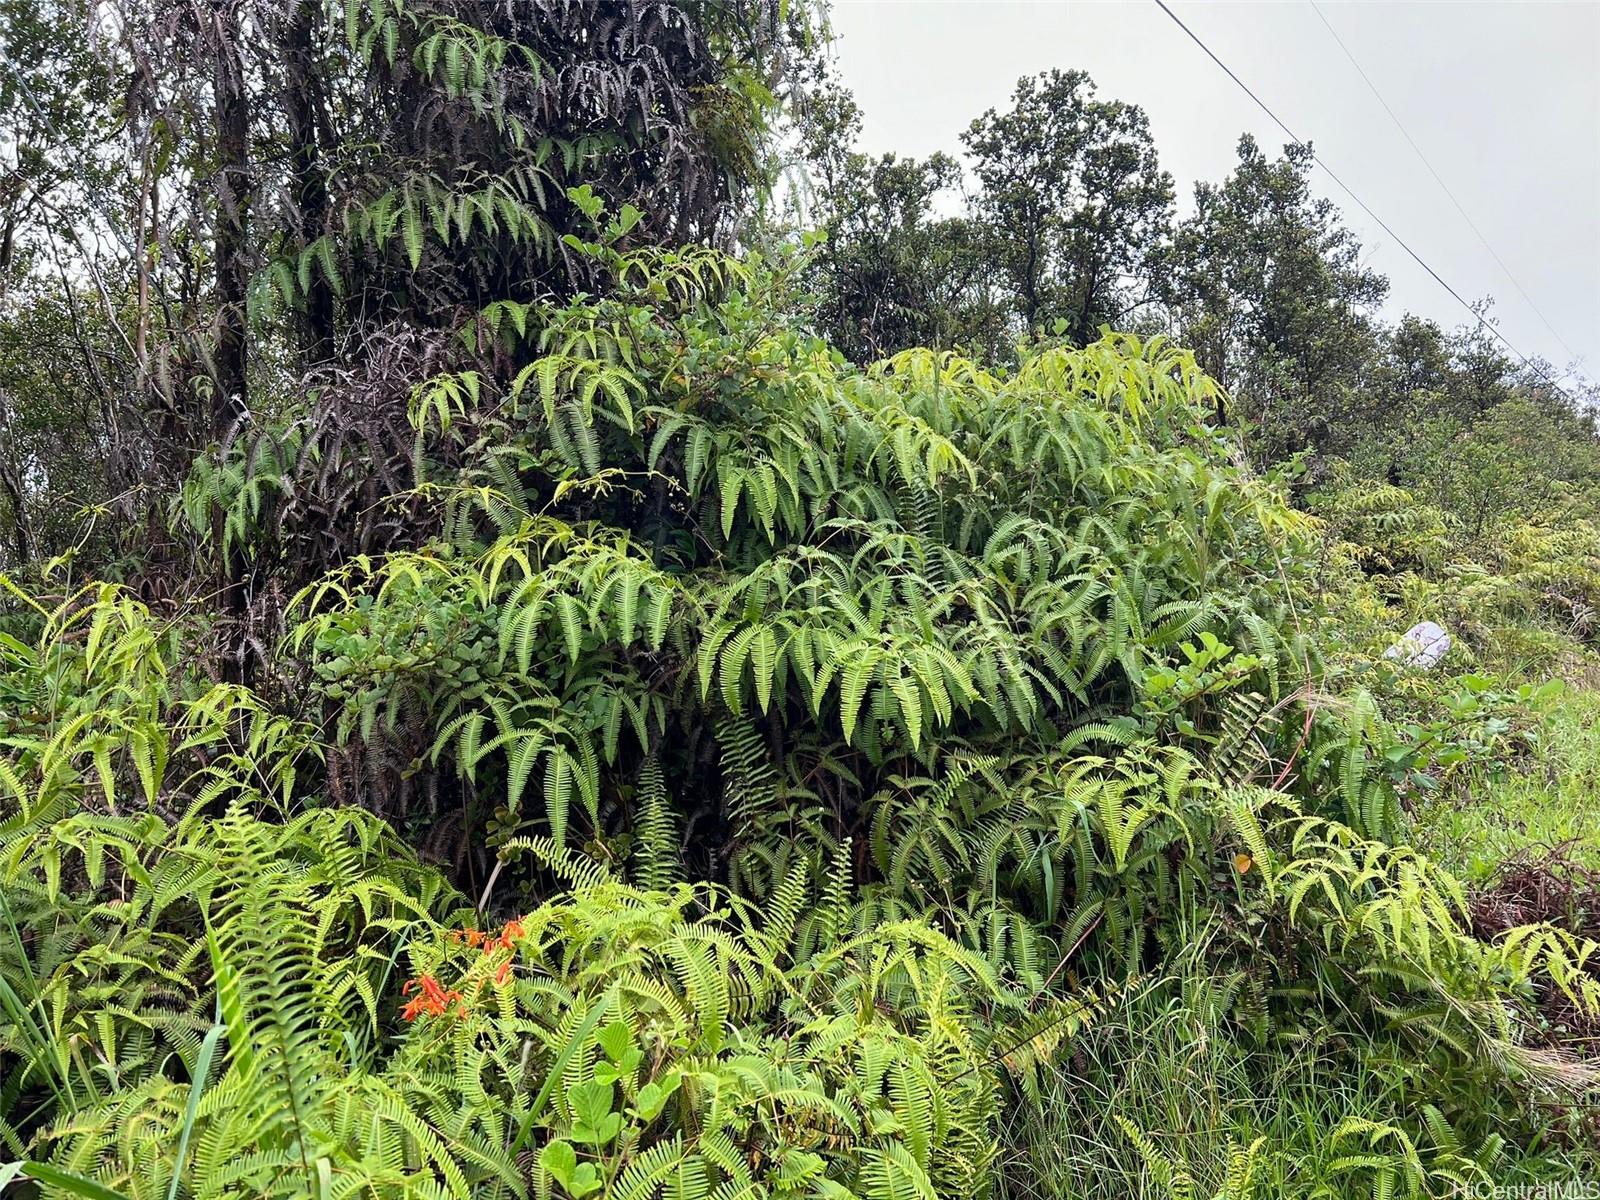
526 672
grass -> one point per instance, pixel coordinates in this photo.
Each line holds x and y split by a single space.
1316 1118
1493 820
1183 1064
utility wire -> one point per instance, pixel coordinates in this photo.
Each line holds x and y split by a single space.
1382 224
1445 187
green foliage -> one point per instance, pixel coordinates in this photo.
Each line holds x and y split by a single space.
893 271
1238 1182
1075 200
640 553
1384 529
56 434
1174 1078
1496 816
1271 291
688 1053
279 939
102 713
893 649
625 1038
921 772
1483 728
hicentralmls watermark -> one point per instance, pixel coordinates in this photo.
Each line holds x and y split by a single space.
1571 1189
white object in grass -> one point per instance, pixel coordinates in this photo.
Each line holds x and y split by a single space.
1423 646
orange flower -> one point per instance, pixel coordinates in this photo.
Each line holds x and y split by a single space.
430 998
1242 863
512 930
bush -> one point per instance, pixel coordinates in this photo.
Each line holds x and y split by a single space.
618 1038
972 698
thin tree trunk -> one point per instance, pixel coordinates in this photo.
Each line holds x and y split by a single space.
232 185
230 402
307 112
21 538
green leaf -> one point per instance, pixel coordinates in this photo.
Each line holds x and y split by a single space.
578 1040
615 1039
411 231
654 1095
560 1161
588 203
197 1087
594 1122
55 1177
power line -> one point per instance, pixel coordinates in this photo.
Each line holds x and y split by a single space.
1400 125
1382 224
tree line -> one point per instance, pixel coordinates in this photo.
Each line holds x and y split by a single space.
1062 221
179 176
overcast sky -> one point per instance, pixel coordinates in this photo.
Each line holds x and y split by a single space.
1503 99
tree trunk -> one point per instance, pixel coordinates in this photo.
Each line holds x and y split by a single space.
232 186
305 104
21 540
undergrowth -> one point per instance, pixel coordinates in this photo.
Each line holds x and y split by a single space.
771 778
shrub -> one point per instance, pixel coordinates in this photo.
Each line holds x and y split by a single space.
972 698
616 1039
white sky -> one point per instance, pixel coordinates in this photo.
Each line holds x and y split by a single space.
1503 98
